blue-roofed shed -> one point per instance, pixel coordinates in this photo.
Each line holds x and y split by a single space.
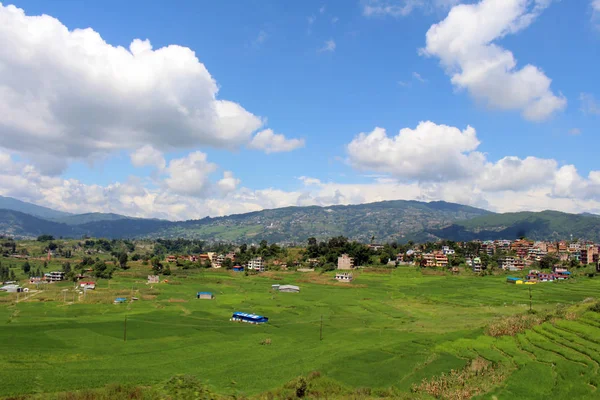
238 268
512 279
250 318
120 300
205 295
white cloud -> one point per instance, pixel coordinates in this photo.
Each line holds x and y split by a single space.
402 8
334 20
566 190
328 46
464 43
271 142
589 105
229 183
596 6
148 156
68 94
190 175
322 9
418 77
513 173
440 157
429 152
308 181
575 131
311 20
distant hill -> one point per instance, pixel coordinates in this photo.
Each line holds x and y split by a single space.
545 225
19 225
8 203
78 219
383 221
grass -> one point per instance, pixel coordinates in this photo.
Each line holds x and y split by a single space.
383 335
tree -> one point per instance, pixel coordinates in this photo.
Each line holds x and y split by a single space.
66 267
156 265
243 248
13 277
167 270
101 270
123 260
45 238
574 263
548 261
26 267
227 263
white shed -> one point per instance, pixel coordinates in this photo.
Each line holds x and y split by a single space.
289 289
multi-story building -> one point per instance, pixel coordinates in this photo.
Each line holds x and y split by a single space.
256 264
441 260
55 276
448 251
588 254
476 264
345 262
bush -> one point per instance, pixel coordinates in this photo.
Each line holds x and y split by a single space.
187 387
595 307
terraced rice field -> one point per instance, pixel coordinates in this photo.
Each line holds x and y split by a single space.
383 331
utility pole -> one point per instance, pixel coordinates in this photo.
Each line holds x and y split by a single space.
321 330
125 330
529 298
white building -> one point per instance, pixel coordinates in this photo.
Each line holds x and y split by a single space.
448 251
55 276
257 264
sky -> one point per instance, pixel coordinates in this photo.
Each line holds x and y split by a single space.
186 109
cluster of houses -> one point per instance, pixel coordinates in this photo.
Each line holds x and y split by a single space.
520 254
216 261
49 277
535 276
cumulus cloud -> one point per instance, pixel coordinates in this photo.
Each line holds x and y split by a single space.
148 156
271 142
565 190
464 43
401 8
439 159
229 183
513 173
429 152
68 94
190 175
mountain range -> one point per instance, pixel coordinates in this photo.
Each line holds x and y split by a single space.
385 221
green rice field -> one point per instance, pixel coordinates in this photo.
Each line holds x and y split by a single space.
387 330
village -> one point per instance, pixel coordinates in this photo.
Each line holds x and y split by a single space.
538 261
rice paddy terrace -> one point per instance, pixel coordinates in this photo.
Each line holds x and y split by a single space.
400 334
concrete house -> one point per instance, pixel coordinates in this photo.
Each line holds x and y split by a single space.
344 277
345 262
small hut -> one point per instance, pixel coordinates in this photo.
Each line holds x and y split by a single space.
119 300
205 295
238 268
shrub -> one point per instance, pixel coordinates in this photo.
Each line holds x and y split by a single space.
595 307
510 326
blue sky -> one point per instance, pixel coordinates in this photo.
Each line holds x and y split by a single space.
320 73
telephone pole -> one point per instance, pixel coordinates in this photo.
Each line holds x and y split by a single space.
321 330
529 298
125 330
